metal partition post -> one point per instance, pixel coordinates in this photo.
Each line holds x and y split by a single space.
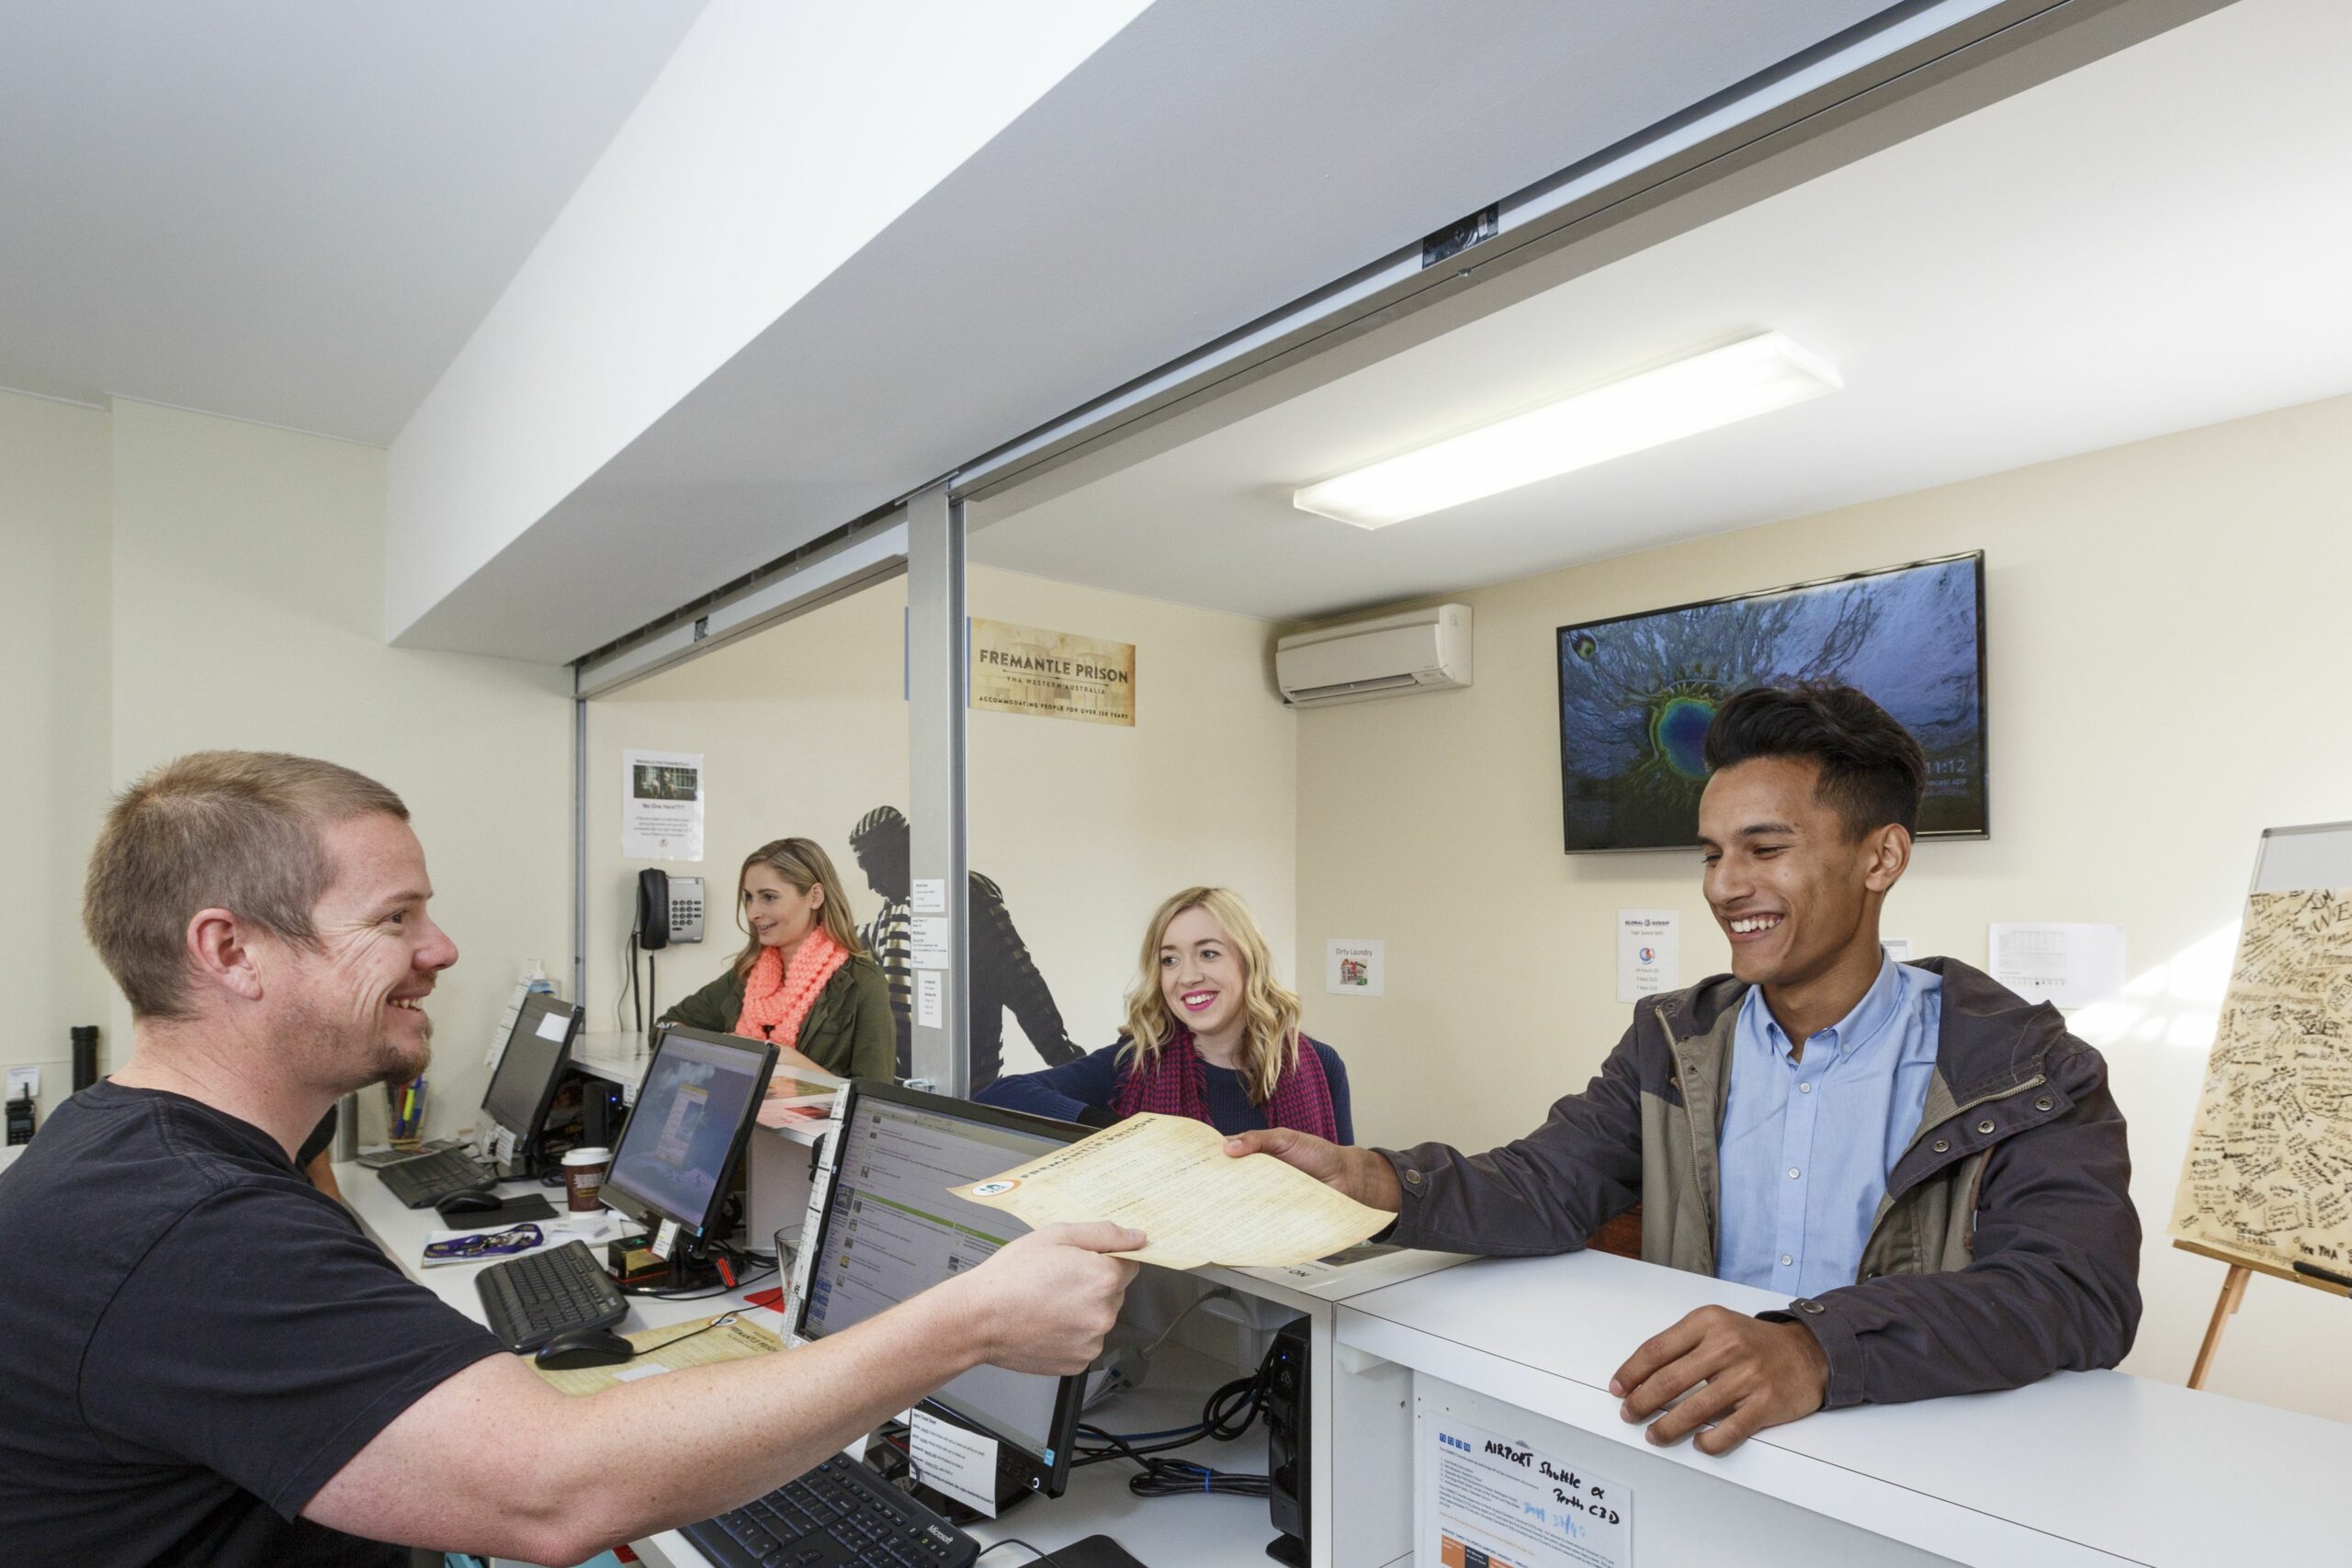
579 850
938 682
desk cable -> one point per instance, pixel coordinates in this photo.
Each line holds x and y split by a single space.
1039 1553
1232 1410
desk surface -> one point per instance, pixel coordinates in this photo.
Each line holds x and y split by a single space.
2097 1461
1160 1531
401 1232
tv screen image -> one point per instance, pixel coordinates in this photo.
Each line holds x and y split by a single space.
1638 692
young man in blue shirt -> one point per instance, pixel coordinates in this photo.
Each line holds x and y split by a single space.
1929 1167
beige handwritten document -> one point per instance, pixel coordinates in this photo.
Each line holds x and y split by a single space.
2269 1167
1170 1177
672 1347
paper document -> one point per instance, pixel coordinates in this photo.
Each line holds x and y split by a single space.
602 1225
954 1460
1649 953
2068 966
661 805
1170 1177
670 1348
1502 1502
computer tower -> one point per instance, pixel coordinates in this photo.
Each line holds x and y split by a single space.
1286 1442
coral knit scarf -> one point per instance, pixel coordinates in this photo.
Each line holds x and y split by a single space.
776 996
1176 1084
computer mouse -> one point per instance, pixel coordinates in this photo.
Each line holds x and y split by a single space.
472 1200
583 1348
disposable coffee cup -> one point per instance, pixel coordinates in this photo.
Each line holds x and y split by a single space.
583 1179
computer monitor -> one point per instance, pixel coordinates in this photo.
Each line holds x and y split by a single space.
887 1227
528 1071
694 1108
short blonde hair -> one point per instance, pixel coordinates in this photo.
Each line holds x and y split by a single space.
237 830
1269 1042
804 863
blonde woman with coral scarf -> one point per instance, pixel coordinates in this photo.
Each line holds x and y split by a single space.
803 980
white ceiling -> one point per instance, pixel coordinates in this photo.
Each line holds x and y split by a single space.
287 211
2158 241
1213 161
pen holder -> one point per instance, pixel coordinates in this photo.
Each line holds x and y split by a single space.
405 1115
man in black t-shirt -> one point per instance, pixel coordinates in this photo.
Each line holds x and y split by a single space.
212 1364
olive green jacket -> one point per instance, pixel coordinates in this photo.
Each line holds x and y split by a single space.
848 1031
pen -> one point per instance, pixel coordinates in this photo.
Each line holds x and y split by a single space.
2316 1272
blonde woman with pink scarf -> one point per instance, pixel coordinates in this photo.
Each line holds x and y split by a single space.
803 980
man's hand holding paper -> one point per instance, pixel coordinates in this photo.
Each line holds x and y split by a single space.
1170 1177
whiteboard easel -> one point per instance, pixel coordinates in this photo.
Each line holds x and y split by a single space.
2288 859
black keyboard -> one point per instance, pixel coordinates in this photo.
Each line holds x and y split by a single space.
427 1180
531 1299
840 1513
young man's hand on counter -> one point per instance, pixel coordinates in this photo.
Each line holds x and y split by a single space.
1749 1374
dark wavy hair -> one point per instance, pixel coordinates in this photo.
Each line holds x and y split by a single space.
1872 769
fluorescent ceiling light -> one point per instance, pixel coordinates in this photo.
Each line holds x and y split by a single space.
1721 387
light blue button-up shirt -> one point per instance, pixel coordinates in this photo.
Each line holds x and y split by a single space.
1807 1144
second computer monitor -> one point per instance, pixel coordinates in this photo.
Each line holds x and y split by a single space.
530 1069
891 1228
696 1105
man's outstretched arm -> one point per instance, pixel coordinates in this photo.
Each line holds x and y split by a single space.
1544 1193
494 1461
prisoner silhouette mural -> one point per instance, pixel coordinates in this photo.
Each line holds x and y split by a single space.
1004 977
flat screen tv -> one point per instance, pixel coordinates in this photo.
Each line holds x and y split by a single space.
1636 693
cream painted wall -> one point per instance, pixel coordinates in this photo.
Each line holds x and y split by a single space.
2165 623
248 592
53 643
1085 827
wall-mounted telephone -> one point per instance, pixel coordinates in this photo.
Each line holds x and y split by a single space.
668 910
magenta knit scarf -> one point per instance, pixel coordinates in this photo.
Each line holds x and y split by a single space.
1176 1084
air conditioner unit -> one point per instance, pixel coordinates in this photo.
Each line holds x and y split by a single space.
1419 650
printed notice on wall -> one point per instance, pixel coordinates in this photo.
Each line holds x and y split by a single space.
1489 1500
1052 675
2067 966
931 1008
927 942
661 805
1355 966
1649 953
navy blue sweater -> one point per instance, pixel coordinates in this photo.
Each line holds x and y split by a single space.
1092 1083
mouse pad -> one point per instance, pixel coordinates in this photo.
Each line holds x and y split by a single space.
514 1211
1094 1552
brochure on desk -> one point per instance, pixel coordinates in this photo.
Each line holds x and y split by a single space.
820 1187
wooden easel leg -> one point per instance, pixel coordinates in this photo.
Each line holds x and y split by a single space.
2224 1308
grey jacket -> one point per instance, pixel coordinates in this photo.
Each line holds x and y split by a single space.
2006 1248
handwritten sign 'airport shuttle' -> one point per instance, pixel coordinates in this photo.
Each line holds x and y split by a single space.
1488 1499
1052 675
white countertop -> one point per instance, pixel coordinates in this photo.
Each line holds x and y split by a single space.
2082 1467
401 1232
